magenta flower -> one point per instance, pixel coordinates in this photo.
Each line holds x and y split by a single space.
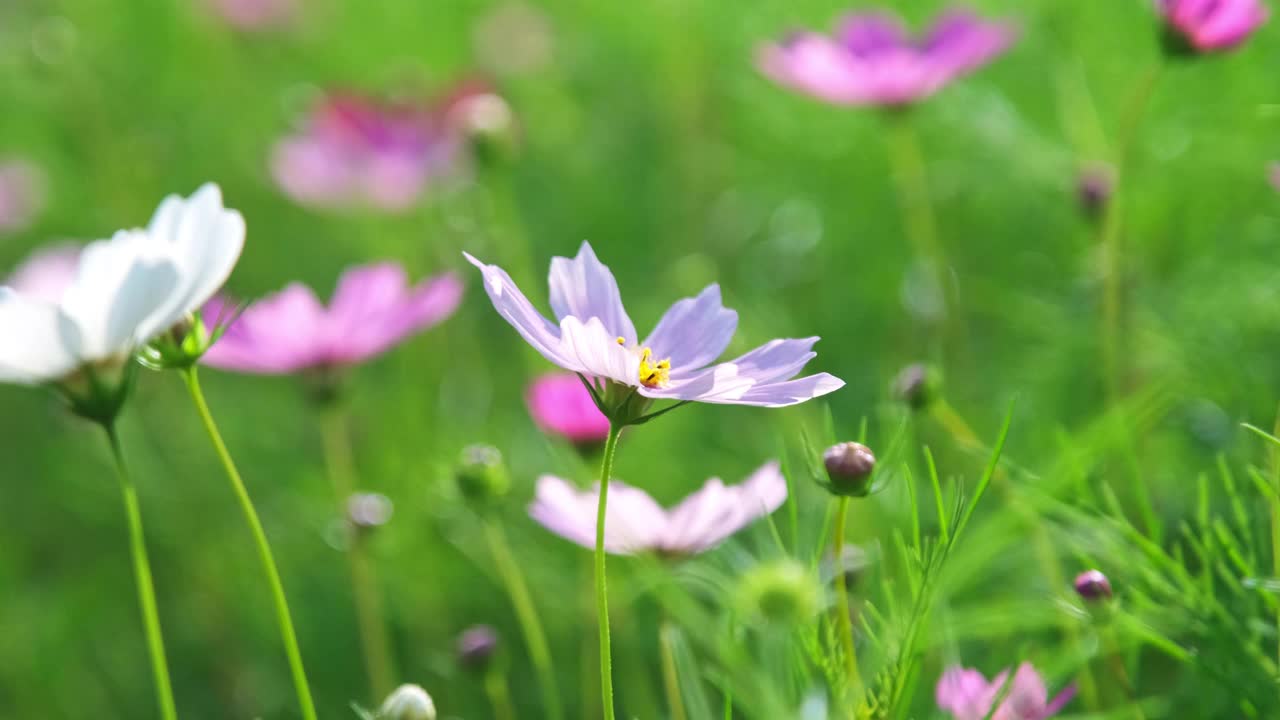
355 151
596 338
871 60
21 195
560 404
635 523
1211 25
967 695
47 272
372 309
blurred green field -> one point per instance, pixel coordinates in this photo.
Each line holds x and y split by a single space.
651 134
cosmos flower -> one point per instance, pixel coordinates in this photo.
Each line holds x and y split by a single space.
560 404
967 695
635 523
596 338
354 150
21 194
47 273
1213 25
126 290
255 15
372 309
871 60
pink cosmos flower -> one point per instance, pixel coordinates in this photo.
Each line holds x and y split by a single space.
871 60
596 338
255 15
1211 25
635 523
354 150
372 309
967 695
21 194
47 272
560 404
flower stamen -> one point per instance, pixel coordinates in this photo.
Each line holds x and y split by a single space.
654 375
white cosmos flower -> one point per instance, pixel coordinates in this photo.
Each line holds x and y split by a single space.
594 336
125 291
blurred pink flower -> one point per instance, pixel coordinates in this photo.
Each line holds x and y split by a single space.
372 309
636 523
356 151
46 272
967 695
560 404
871 60
1209 25
254 15
21 194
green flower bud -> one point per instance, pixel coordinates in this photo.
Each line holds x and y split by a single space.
481 475
781 592
849 467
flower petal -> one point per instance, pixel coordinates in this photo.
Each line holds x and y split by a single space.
693 332
754 378
595 351
791 392
584 288
281 333
520 313
705 518
33 351
868 34
960 42
633 520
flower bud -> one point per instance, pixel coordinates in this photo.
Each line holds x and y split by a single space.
1093 586
849 467
408 702
780 592
476 646
917 385
366 511
481 474
1094 186
179 347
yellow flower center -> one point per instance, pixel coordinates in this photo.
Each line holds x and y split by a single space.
652 374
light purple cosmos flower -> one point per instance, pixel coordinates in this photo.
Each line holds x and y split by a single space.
560 404
355 151
596 338
635 523
871 59
1211 25
47 272
372 309
21 194
967 695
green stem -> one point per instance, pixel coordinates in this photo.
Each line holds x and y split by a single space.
1116 660
844 621
283 618
534 636
370 618
495 686
602 592
1275 512
911 179
670 676
142 575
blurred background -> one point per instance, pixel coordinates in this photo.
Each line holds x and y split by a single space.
647 129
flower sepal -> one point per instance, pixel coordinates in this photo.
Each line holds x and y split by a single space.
98 391
181 346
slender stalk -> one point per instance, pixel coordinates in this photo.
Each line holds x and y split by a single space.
602 591
534 636
844 622
1116 660
495 686
911 180
370 617
142 576
283 619
1275 513
670 676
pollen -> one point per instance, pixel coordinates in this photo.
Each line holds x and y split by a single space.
654 375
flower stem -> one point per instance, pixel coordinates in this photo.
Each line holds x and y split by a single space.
844 621
370 618
534 636
670 676
142 575
495 686
1275 512
283 618
911 180
602 591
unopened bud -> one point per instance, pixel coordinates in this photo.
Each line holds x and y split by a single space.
917 385
1092 586
849 467
1094 187
481 474
476 645
780 592
408 702
366 511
